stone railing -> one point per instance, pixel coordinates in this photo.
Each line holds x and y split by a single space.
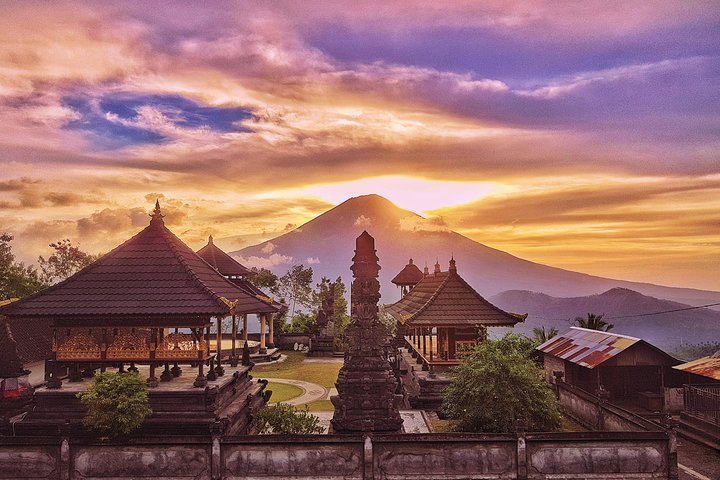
591 455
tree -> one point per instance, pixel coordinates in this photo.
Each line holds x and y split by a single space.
540 335
265 279
340 304
285 419
295 288
66 260
16 279
594 322
497 385
117 404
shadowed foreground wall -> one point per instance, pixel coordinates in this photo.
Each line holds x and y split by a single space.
593 455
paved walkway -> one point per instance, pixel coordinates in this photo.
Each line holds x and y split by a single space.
311 391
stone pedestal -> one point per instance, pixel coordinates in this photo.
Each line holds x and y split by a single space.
366 400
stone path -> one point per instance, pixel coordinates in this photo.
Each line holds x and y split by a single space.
311 391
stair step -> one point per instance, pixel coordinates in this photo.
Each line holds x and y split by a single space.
698 439
698 430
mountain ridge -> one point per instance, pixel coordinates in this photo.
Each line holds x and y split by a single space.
326 243
631 313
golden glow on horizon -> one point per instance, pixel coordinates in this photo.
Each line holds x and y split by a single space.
411 193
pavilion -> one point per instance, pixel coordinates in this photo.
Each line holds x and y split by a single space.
408 277
440 316
240 275
151 301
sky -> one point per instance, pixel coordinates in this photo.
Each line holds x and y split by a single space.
584 135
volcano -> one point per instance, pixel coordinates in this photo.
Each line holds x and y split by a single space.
326 244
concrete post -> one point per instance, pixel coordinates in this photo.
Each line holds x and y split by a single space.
368 473
263 325
522 469
215 466
64 459
271 339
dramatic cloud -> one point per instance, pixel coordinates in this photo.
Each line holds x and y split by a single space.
510 122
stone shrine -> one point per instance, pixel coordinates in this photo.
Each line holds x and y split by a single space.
322 341
366 400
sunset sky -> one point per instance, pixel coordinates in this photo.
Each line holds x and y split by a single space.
584 135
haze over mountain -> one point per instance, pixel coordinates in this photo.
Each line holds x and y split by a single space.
664 330
326 243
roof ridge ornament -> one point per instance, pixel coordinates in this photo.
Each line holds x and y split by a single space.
157 215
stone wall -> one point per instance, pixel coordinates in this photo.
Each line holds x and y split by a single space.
592 455
286 341
596 414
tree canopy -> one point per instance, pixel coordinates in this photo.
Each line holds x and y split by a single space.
498 385
540 335
66 260
594 322
16 279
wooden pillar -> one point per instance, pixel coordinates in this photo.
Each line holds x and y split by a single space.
234 336
263 348
451 342
271 339
245 329
218 339
424 341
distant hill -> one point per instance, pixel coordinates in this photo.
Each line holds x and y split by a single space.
667 330
326 243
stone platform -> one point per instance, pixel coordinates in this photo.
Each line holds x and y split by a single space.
423 389
224 405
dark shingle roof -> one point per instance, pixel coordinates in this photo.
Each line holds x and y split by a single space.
445 299
410 275
152 274
223 263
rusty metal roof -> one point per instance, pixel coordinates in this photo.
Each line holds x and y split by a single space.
585 347
707 367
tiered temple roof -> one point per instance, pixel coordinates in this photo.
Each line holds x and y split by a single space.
410 275
446 299
153 274
221 261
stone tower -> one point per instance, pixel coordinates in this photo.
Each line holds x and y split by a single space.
366 400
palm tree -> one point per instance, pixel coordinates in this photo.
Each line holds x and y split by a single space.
540 335
594 322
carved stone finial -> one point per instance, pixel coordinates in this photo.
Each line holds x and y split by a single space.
453 266
210 240
437 266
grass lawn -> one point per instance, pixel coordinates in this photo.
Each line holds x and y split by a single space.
282 392
324 374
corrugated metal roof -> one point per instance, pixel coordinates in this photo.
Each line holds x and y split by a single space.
588 348
707 367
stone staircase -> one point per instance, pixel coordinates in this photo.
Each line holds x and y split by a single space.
700 431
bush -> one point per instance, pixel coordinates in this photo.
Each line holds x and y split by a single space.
286 419
117 404
497 385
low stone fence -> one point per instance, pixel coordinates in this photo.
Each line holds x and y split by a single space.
597 414
286 341
591 455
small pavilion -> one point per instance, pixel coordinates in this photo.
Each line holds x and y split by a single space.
240 275
440 317
408 277
121 309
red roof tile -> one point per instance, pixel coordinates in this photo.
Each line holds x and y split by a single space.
445 299
152 274
410 275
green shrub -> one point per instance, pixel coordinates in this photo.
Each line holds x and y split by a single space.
286 419
117 404
498 385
